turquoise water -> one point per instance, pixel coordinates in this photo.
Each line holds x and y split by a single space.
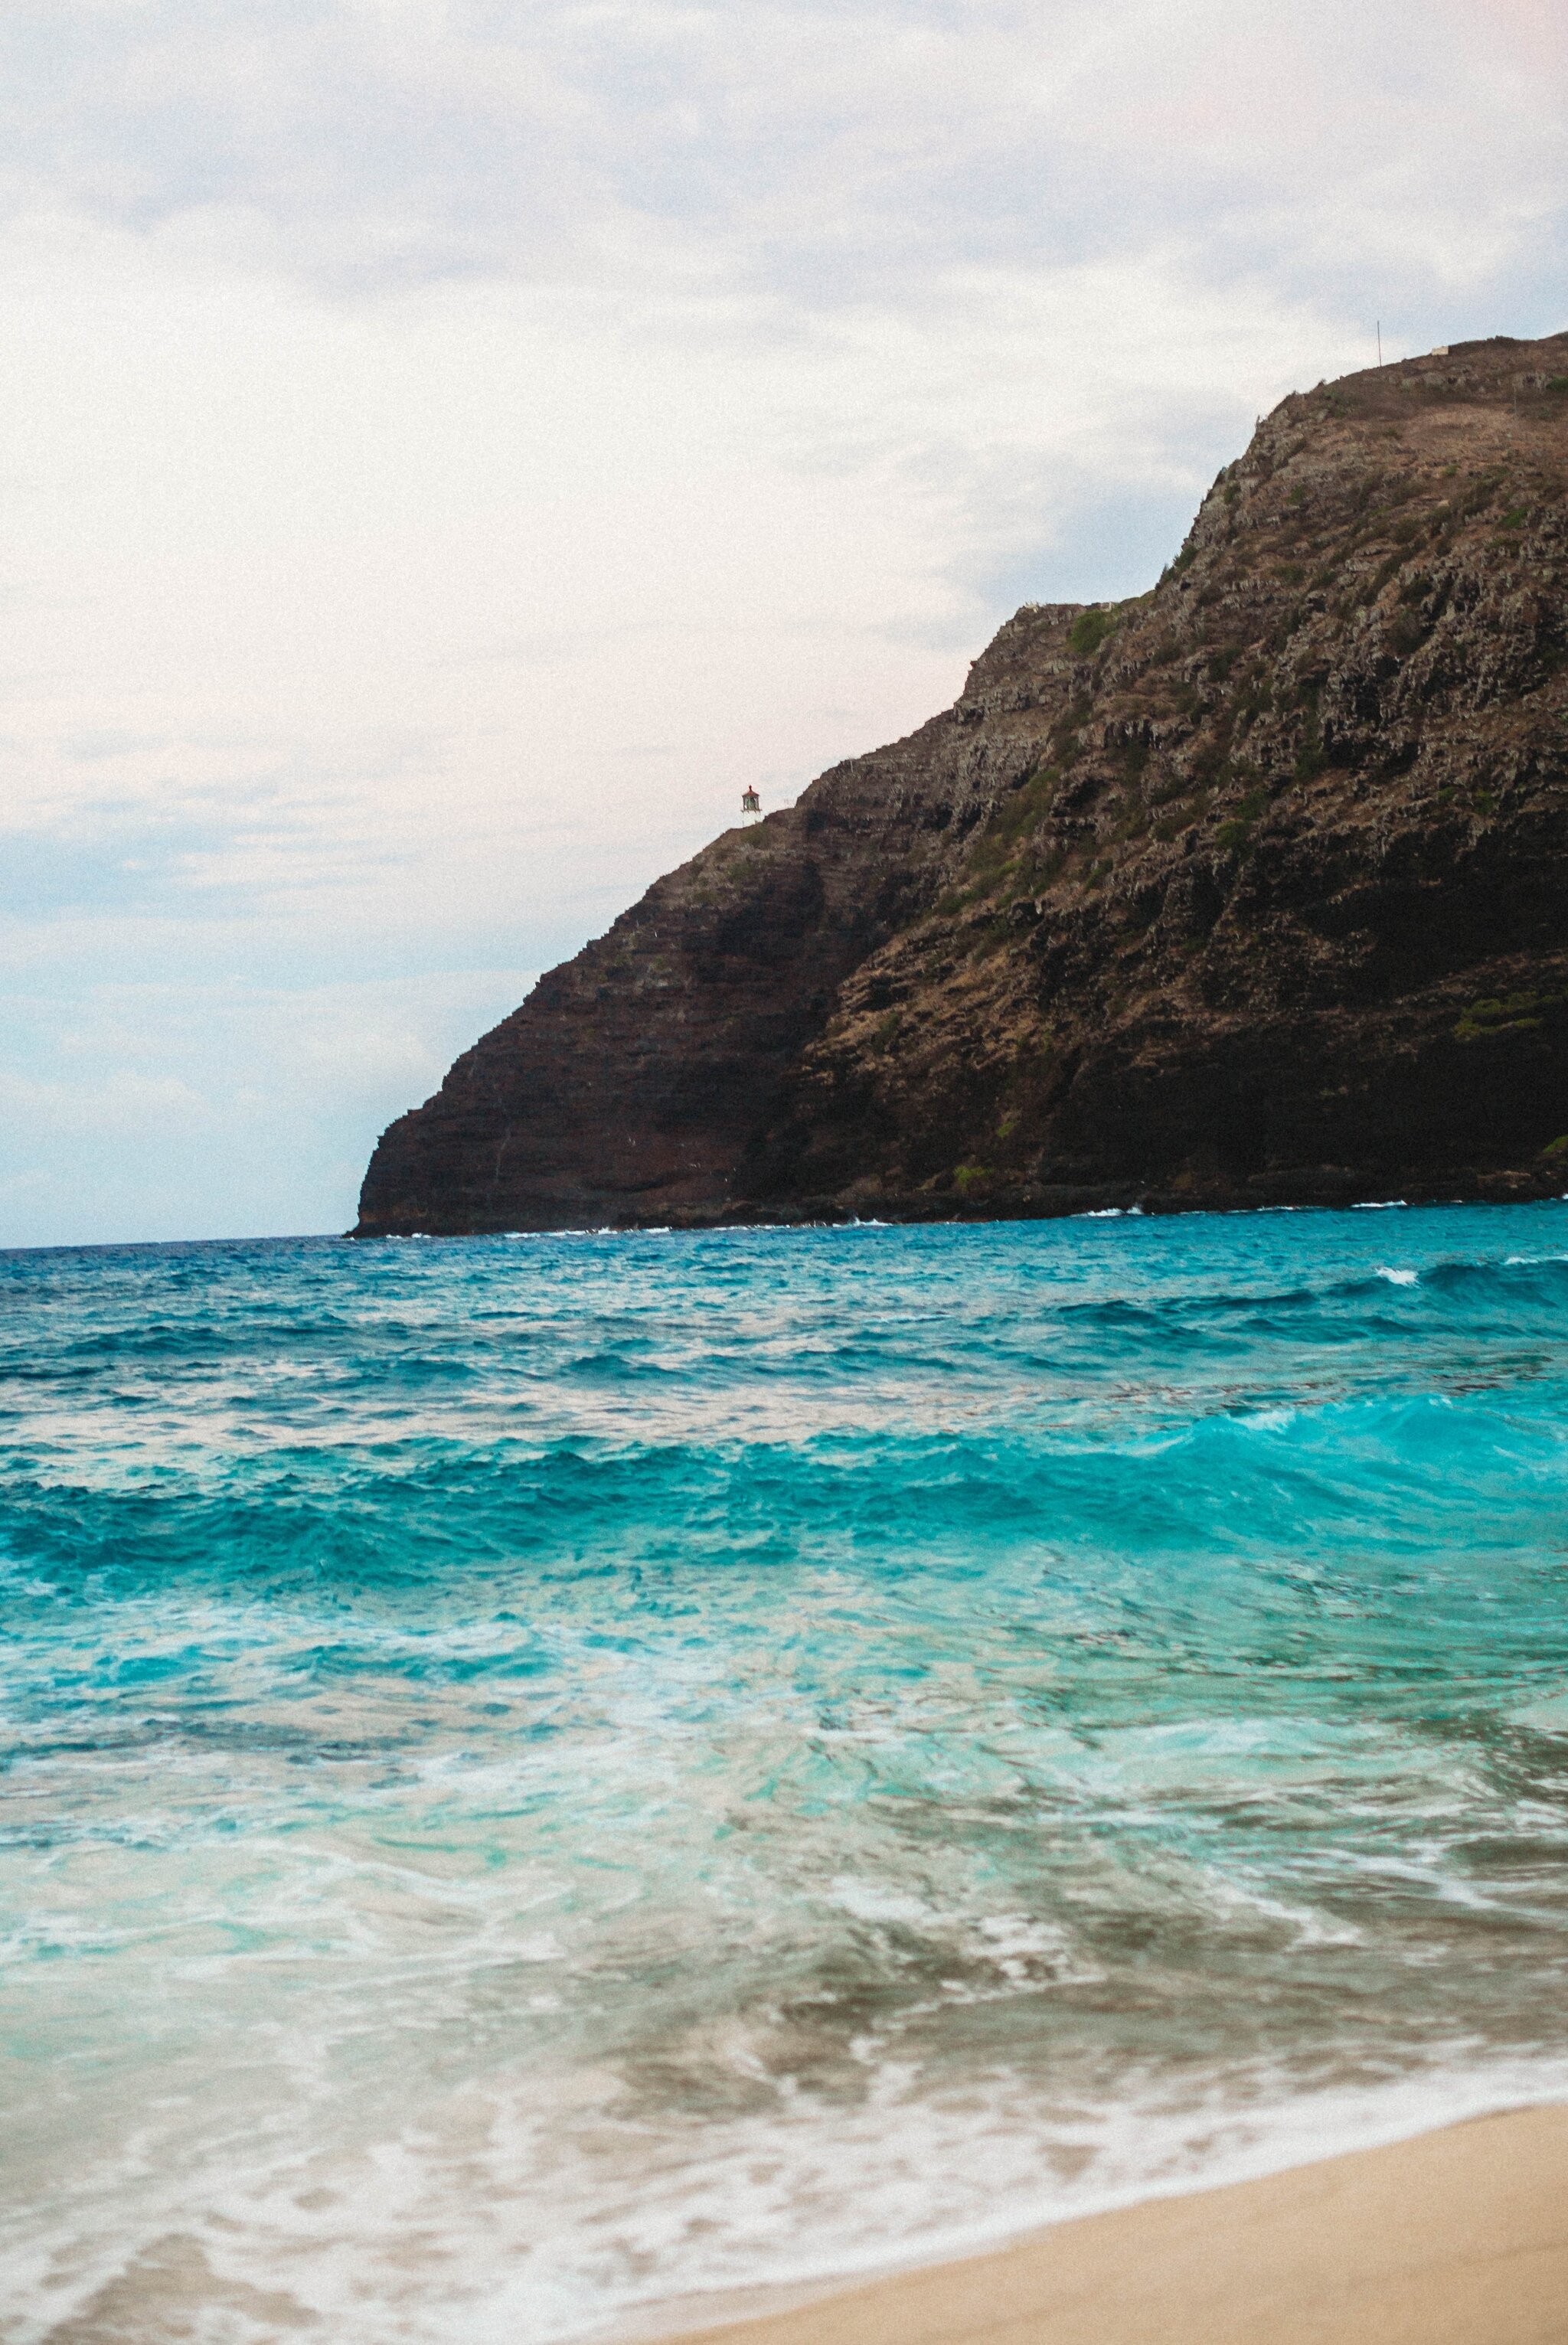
547 1776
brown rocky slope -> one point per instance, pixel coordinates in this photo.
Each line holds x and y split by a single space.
1252 889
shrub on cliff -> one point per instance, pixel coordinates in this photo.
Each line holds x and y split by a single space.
1089 630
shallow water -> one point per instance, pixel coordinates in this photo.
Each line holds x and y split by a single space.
545 1774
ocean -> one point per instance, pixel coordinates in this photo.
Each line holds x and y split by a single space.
547 1776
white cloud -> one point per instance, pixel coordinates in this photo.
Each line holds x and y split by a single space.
822 149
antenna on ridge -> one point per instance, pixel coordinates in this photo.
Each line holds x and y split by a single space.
1379 341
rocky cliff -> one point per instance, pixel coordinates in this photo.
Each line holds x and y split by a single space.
1252 889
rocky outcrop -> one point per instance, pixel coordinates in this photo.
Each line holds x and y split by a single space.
1251 890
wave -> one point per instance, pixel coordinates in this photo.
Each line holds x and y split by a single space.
535 1778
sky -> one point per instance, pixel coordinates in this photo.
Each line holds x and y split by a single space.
450 448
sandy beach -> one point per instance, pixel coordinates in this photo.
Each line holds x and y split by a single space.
1457 2238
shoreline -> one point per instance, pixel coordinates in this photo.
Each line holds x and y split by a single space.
1457 2236
1093 1201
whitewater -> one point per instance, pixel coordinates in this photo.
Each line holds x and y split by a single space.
542 1777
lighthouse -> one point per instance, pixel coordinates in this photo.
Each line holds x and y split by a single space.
750 806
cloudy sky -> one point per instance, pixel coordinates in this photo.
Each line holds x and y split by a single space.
448 447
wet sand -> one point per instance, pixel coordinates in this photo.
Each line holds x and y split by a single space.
1457 2238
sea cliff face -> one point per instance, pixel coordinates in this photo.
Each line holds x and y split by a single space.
1253 890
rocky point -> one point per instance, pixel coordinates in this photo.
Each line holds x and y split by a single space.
1252 889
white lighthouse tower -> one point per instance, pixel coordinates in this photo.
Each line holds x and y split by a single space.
750 806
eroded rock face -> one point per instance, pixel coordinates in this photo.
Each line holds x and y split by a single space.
1253 890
